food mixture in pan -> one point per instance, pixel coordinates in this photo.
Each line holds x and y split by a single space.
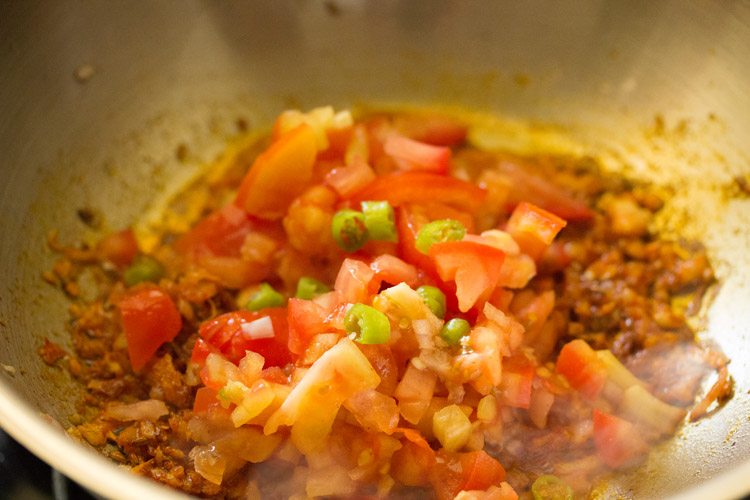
379 307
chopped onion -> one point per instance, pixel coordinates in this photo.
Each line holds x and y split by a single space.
208 463
261 328
642 407
374 411
451 427
414 392
541 402
150 409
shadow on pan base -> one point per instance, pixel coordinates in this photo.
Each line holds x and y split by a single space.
25 477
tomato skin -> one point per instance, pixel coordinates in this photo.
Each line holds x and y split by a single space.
225 334
533 228
475 268
579 364
149 319
423 187
618 442
119 248
279 174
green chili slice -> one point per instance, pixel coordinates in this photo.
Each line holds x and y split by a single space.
143 268
368 325
380 220
438 231
454 330
264 297
549 487
434 299
309 288
349 230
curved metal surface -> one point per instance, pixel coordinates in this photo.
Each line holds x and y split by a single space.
171 72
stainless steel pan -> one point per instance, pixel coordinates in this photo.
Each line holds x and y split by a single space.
95 97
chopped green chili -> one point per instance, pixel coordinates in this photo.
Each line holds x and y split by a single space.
380 220
309 288
368 325
454 330
264 297
434 299
549 487
349 230
438 231
143 268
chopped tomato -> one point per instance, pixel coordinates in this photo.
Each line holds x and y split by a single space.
618 442
474 267
539 191
393 270
412 464
338 140
353 281
440 130
454 472
423 187
218 370
201 350
481 470
205 398
436 210
351 178
409 154
384 362
215 244
410 219
414 392
409 222
312 405
226 333
533 228
580 365
518 375
119 248
501 299
317 346
279 174
220 233
275 374
306 319
415 437
149 319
